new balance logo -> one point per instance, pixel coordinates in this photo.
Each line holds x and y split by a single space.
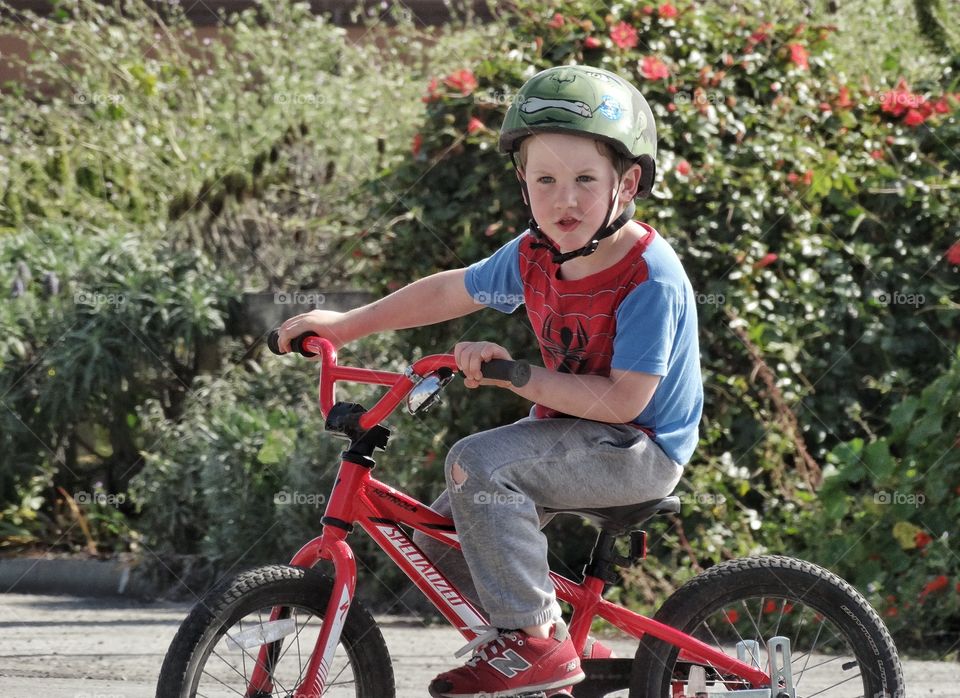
509 664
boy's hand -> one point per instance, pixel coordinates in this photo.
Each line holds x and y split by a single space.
323 322
471 355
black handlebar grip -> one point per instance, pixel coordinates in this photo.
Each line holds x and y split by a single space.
296 344
273 342
517 372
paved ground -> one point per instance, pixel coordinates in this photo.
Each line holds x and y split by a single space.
67 647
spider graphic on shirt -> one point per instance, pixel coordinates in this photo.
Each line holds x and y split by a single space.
566 344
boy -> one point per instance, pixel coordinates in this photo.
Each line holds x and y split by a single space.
618 401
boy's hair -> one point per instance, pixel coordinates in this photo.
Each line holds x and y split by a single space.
619 162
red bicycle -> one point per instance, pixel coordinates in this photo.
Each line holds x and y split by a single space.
770 627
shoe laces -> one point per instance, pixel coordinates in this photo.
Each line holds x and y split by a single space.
481 644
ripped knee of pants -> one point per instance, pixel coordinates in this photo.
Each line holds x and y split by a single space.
457 477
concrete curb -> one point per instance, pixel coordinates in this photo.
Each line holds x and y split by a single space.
96 578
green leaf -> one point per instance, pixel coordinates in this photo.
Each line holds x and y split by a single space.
277 443
905 534
879 463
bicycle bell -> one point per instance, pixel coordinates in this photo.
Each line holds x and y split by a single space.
426 393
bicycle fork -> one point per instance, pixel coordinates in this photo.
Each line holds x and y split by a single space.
345 581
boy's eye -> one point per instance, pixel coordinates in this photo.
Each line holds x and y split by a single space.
545 180
585 178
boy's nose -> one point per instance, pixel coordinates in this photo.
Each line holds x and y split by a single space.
567 198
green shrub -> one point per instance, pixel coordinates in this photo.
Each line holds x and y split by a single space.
889 515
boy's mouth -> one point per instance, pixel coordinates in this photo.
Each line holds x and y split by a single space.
567 223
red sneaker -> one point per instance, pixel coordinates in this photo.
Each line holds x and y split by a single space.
510 662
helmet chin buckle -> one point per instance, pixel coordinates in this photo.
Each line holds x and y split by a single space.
591 247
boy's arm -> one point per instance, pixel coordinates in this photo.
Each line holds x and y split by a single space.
430 300
617 399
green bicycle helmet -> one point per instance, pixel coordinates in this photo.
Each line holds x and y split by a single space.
582 100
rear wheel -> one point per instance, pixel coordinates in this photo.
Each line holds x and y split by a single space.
217 647
839 646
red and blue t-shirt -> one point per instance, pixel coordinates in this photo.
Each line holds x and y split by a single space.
637 315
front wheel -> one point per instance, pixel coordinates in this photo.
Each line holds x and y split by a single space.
839 646
217 647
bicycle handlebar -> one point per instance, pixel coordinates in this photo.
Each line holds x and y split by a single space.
309 344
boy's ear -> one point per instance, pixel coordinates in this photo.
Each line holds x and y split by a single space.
632 181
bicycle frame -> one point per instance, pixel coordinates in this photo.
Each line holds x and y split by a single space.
381 510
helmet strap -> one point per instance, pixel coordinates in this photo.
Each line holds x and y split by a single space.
603 232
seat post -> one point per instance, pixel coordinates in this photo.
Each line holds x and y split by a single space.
604 559
601 564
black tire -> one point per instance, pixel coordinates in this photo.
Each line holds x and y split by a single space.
760 597
362 654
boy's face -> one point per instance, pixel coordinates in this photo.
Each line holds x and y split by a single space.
571 184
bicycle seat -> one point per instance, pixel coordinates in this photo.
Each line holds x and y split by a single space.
619 520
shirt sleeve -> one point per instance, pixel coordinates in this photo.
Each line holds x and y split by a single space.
495 281
647 321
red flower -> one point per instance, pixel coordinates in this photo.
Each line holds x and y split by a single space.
808 177
475 125
825 106
671 107
667 11
896 101
463 80
936 584
653 68
877 154
432 94
922 539
591 42
891 612
417 144
648 9
623 35
770 606
759 35
953 256
843 99
732 615
768 259
942 106
913 118
683 168
799 55
557 22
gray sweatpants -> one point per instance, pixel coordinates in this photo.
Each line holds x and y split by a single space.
499 480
